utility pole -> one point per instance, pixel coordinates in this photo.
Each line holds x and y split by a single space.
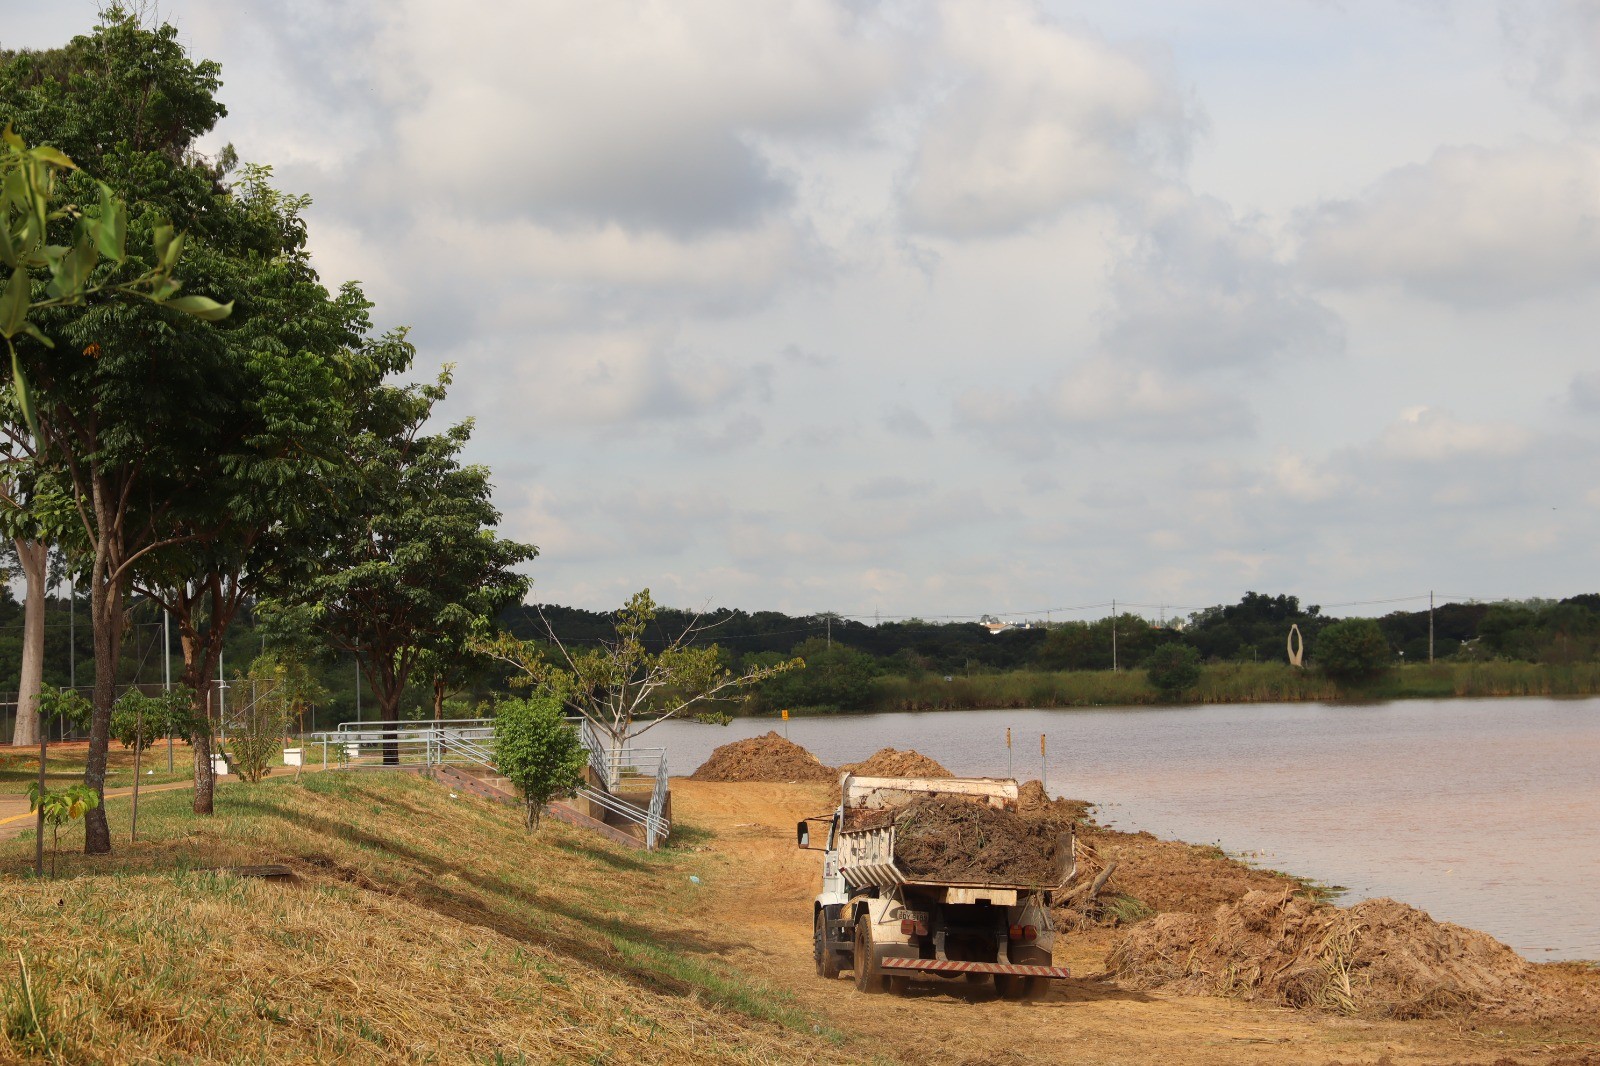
1430 626
72 653
830 631
358 686
166 671
1113 636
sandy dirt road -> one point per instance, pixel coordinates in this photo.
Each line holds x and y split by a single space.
760 892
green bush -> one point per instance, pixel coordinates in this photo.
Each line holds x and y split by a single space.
1353 650
537 750
1173 669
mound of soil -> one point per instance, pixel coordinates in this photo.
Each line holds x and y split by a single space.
1034 802
892 762
944 838
765 758
1378 958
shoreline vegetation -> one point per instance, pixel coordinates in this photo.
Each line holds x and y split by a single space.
1228 682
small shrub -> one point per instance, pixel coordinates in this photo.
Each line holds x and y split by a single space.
537 751
256 724
1353 650
1173 669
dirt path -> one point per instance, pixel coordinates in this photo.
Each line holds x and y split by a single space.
764 889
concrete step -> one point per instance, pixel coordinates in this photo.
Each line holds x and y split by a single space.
564 813
490 788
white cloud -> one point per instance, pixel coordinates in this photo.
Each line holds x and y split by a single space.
1425 435
1204 290
1555 53
1037 116
599 111
1099 400
1470 226
622 378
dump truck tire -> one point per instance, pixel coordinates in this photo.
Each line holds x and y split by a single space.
1013 986
869 978
826 958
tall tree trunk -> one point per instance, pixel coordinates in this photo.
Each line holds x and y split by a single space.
105 608
198 660
438 699
389 707
34 558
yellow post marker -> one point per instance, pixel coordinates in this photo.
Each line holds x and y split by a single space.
786 723
1009 772
1044 779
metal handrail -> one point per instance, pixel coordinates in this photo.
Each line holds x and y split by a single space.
655 826
437 741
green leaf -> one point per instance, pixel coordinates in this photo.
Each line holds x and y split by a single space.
7 251
170 254
19 383
111 229
12 139
33 331
54 157
14 303
160 237
203 307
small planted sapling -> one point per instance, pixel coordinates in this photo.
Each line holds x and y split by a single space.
537 751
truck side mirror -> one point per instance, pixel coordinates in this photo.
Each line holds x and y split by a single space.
802 835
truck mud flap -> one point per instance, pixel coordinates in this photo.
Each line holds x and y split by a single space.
948 966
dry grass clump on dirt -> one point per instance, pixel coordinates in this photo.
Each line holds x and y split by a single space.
769 757
419 928
1378 958
892 762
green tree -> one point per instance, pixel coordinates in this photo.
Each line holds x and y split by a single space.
409 562
622 686
1352 650
117 408
257 720
537 750
283 402
137 720
57 807
1173 669
836 678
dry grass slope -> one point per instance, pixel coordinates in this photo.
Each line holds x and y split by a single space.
421 929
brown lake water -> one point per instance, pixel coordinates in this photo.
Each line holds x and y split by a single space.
1482 812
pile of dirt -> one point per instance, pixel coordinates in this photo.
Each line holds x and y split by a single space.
1147 875
944 838
1034 802
765 758
892 762
1378 958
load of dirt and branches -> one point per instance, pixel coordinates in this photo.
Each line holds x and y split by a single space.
1378 958
892 762
769 757
946 838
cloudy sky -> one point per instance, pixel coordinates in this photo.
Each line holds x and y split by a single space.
941 309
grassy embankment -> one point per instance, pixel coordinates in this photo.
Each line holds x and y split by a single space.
1230 683
19 767
421 929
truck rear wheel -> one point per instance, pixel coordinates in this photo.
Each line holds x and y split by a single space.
1014 986
826 958
869 978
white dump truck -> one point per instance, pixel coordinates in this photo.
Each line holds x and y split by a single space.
877 919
